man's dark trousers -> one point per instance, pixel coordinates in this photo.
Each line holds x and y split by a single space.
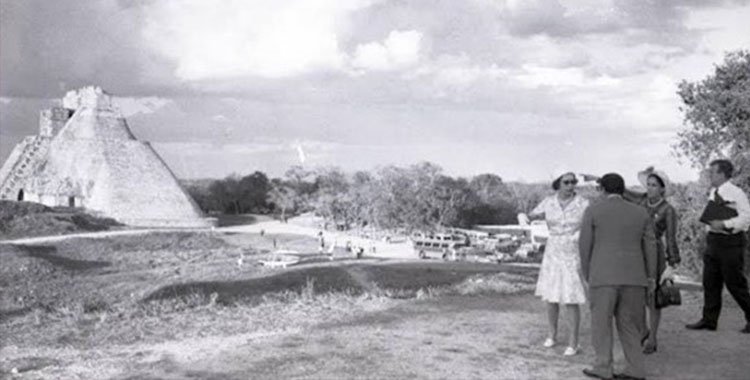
723 263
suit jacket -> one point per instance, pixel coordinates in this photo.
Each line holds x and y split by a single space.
617 244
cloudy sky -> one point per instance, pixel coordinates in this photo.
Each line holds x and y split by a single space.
521 88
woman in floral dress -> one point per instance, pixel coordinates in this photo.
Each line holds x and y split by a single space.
560 278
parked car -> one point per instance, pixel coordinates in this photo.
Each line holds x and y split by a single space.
439 245
530 240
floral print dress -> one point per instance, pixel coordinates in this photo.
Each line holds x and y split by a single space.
560 279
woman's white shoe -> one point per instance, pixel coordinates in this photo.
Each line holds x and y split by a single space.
570 351
549 342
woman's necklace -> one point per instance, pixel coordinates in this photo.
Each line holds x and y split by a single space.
650 204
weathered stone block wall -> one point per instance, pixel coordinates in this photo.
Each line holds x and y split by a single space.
52 120
96 124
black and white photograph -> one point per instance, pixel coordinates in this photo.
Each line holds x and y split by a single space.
374 189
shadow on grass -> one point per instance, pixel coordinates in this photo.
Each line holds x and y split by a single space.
418 275
48 253
404 278
236 220
326 280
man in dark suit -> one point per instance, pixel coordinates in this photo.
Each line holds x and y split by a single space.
618 259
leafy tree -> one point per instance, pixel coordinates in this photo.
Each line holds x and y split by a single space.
717 120
363 199
527 196
223 195
448 198
394 203
201 194
717 116
331 196
282 197
489 188
253 193
302 182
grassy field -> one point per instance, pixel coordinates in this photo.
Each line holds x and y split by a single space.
25 219
178 306
81 291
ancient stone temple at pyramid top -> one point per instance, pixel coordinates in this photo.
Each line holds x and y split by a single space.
86 156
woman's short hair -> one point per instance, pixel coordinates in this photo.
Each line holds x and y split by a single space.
556 183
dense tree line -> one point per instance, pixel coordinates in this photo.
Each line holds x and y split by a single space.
717 125
415 197
233 195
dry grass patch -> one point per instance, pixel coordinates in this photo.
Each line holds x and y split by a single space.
26 219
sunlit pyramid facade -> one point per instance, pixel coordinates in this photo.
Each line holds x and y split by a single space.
86 156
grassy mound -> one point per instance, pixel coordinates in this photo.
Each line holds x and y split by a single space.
95 271
319 279
27 219
161 286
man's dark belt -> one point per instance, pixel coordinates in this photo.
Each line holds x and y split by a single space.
720 238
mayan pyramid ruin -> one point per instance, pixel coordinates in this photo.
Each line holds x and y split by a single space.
86 156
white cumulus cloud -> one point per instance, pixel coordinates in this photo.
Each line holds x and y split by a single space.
399 50
273 39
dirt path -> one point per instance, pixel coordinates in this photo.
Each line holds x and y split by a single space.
382 249
94 235
476 337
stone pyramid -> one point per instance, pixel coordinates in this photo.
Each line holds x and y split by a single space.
86 156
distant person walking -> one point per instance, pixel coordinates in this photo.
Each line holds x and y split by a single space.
728 218
618 258
321 242
560 280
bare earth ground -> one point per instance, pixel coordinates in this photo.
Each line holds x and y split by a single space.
176 305
452 337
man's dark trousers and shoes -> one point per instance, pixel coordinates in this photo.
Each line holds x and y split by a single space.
723 264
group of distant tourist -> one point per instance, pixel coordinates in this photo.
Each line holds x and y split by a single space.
620 254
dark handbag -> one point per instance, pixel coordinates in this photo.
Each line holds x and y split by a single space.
667 294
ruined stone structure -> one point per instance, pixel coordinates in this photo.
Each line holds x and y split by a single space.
86 156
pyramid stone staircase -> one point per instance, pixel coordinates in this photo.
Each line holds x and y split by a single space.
21 165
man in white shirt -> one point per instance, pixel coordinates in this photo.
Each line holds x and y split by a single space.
723 261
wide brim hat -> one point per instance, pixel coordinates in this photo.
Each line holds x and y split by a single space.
644 174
